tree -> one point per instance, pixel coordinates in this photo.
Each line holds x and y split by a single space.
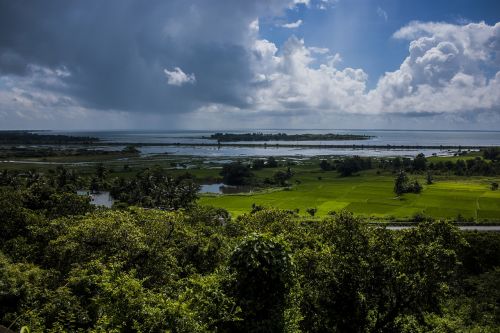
236 173
264 272
494 186
419 163
403 185
271 162
400 183
311 211
348 166
101 171
460 168
155 189
416 187
492 153
258 164
325 165
430 180
281 178
131 149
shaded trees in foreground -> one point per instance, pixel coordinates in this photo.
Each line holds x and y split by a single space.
139 270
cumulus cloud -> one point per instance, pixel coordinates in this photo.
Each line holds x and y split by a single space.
449 69
150 61
177 77
290 82
292 25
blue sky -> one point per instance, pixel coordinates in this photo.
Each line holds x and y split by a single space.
359 31
218 64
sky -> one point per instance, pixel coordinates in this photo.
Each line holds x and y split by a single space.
243 64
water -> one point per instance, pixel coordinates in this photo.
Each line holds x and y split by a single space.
221 188
102 198
379 138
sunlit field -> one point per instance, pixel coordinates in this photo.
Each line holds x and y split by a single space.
372 195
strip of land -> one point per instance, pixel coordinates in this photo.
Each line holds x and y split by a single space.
233 137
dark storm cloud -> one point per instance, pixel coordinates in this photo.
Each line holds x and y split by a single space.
116 50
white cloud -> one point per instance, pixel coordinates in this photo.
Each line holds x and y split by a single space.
303 2
449 69
177 77
292 84
319 50
292 25
382 13
325 4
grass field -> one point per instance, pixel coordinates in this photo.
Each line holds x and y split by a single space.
372 195
367 194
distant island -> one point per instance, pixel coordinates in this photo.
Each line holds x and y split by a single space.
229 137
26 137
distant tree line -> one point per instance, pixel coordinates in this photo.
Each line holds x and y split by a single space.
347 166
488 165
26 137
238 173
234 137
9 152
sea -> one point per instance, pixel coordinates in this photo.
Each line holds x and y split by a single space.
168 141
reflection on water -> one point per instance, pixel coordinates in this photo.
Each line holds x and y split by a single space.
221 188
102 198
227 151
380 138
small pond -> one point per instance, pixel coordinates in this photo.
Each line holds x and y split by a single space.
102 198
221 188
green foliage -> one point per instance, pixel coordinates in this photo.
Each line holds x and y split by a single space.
492 153
271 162
325 165
197 270
263 277
258 164
153 188
429 179
404 185
281 177
361 280
131 149
311 211
482 253
473 307
419 163
236 173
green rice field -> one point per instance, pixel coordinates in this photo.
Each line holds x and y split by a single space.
369 194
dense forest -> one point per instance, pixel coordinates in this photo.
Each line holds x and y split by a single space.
167 264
